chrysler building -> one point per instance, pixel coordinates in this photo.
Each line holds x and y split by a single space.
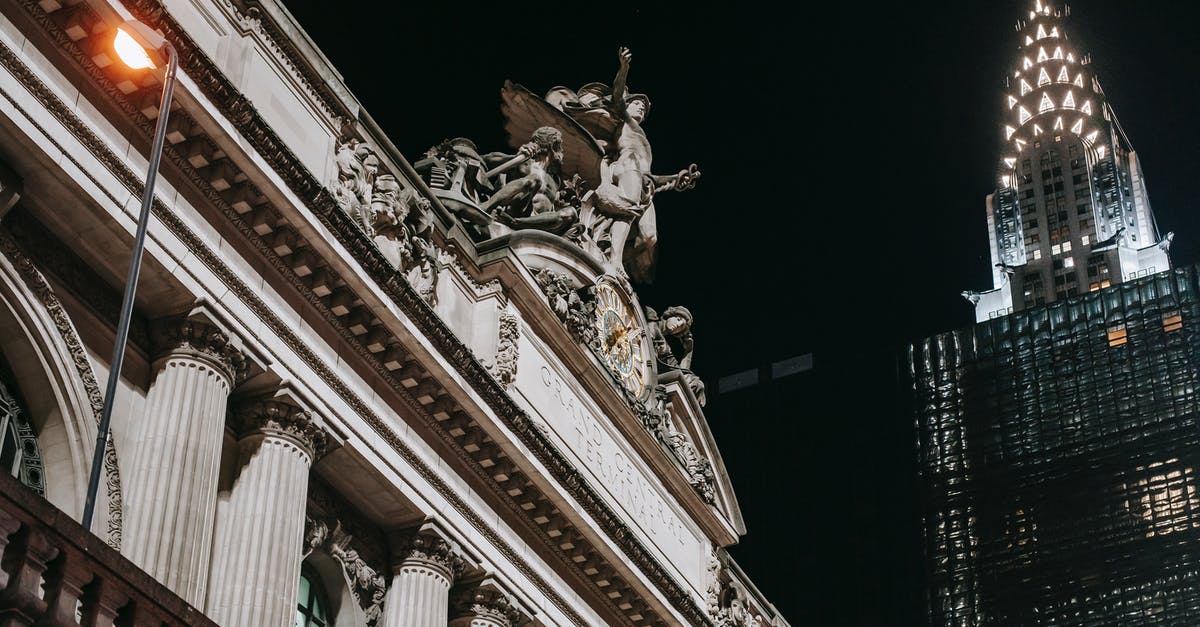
1070 213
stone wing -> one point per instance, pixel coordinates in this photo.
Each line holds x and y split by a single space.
525 112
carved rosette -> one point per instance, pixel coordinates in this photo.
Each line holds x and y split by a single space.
429 549
274 417
196 336
484 604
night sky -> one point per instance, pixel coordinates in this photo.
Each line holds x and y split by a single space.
846 152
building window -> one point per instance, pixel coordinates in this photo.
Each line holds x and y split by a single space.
20 455
312 609
1172 321
1117 335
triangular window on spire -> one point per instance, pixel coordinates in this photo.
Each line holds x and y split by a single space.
1046 104
1041 34
1079 80
1023 115
1012 102
1091 137
1010 162
1037 130
1042 55
1070 57
1063 77
1008 132
1028 40
1054 32
1020 145
1043 77
1058 124
1058 53
1078 128
1025 88
1069 101
1087 107
1027 64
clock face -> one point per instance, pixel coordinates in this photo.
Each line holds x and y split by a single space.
621 338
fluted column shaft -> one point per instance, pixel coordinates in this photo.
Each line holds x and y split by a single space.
175 460
419 596
260 528
424 566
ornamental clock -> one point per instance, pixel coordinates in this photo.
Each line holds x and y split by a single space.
622 338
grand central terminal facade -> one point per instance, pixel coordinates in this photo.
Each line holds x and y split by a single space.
359 390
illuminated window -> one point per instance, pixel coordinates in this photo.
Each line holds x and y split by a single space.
1058 126
1067 249
1025 88
1087 107
1054 32
1078 127
1012 102
1023 114
1172 321
1079 80
1165 497
1008 133
1037 254
1069 101
1058 53
1042 56
1063 77
1043 77
1027 64
1046 104
312 609
1091 137
1117 335
1085 240
1028 40
1041 31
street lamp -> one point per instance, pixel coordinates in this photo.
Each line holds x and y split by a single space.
140 48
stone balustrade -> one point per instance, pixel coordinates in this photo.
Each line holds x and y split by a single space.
54 572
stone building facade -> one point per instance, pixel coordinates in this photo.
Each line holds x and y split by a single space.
360 391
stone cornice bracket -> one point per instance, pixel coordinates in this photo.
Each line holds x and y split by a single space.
485 601
197 333
282 414
428 546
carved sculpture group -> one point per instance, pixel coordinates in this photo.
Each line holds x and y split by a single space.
582 170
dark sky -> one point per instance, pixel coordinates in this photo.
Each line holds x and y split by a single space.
846 150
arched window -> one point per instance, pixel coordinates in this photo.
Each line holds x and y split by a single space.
19 452
312 608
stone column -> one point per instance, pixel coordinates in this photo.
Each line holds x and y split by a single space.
174 462
260 529
484 604
423 567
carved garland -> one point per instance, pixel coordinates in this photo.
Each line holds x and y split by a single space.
83 368
239 111
366 584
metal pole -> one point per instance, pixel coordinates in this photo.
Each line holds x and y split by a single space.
135 267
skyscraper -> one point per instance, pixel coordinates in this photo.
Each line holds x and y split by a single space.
1070 213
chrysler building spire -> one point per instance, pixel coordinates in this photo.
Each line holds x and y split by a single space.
1070 213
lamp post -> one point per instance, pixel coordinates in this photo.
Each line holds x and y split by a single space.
140 48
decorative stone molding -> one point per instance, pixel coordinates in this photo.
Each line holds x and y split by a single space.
426 546
37 284
277 416
484 602
574 310
366 584
697 467
197 335
504 366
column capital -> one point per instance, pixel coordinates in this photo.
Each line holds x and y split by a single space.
485 600
429 546
197 333
280 414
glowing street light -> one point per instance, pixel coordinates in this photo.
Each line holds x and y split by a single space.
140 48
